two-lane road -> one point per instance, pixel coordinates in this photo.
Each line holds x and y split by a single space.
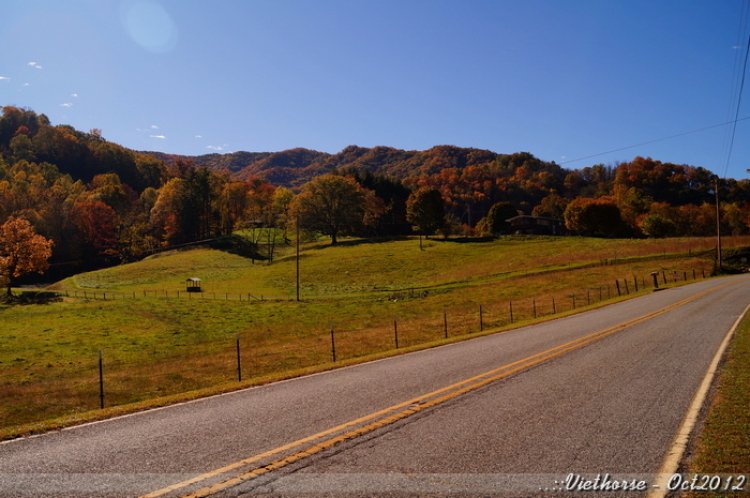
600 392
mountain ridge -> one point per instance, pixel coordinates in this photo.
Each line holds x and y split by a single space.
294 167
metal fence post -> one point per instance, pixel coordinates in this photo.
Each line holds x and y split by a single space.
333 344
239 362
101 381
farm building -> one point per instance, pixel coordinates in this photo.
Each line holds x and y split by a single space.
537 225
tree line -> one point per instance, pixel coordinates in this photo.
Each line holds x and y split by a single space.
96 201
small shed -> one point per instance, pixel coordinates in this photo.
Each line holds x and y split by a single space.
194 285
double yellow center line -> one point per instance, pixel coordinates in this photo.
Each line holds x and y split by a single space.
369 423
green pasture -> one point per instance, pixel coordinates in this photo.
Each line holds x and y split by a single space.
155 344
361 267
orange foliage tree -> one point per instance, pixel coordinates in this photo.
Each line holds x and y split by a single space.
22 251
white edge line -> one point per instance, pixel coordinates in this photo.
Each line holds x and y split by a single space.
675 453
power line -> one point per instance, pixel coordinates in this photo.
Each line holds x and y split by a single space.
737 112
656 140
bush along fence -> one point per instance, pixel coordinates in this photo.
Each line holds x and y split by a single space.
107 380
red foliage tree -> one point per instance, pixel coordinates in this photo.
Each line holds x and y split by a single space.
97 226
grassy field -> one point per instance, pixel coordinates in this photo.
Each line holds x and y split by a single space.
159 346
723 446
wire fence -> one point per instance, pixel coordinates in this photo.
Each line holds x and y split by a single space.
106 378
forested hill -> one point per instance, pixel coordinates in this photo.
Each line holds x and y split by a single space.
93 198
295 167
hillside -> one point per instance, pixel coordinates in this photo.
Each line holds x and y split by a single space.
101 203
295 167
159 340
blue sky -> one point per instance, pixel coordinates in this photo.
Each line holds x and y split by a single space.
563 80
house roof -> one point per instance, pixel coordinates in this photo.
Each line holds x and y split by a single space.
529 217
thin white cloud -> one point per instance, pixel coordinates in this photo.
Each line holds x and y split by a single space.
198 136
4 78
32 63
154 127
158 136
67 104
214 148
74 95
25 84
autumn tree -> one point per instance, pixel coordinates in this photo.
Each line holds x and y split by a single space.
232 204
165 215
552 206
593 217
657 226
425 210
500 212
96 224
22 251
199 190
332 205
260 215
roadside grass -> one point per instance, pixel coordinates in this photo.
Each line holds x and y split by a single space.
723 446
159 347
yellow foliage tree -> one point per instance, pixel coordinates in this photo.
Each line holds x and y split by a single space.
22 251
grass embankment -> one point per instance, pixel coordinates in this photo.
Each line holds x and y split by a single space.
723 447
160 347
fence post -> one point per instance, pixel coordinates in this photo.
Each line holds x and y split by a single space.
627 289
395 330
239 362
635 282
588 297
554 309
533 302
445 322
684 276
693 273
617 283
664 276
481 319
510 301
574 300
333 344
101 381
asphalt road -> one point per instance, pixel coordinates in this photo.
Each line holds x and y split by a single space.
609 404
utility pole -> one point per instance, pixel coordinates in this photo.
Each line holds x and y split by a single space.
718 227
297 259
